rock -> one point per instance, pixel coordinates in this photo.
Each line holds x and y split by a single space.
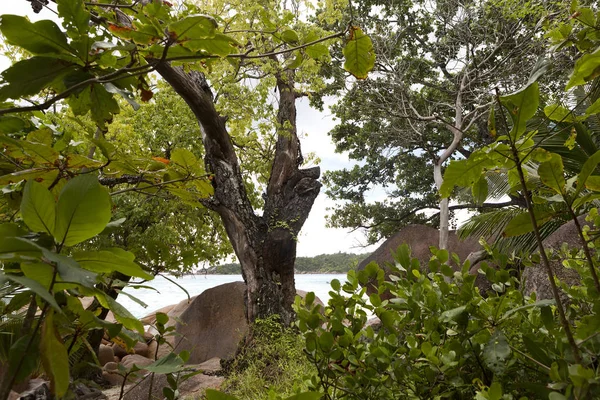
119 351
211 366
82 392
214 323
117 359
131 359
13 395
111 366
419 238
38 390
141 349
191 388
536 278
152 346
105 354
148 337
113 378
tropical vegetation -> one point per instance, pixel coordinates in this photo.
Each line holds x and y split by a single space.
469 101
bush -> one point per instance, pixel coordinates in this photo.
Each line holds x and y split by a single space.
439 338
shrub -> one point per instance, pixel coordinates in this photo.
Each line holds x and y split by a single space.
440 338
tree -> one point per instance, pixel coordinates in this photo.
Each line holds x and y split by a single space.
439 66
113 54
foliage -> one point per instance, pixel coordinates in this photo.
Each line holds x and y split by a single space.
322 264
438 66
270 363
439 337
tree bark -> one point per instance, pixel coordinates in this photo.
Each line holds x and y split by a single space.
264 244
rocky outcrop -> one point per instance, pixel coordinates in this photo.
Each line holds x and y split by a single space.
419 238
192 388
214 323
536 278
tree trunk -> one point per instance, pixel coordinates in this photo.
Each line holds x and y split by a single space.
265 245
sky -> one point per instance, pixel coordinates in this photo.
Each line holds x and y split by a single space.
313 126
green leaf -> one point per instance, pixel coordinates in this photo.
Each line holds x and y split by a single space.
220 45
54 357
593 183
290 36
70 271
552 174
540 303
18 249
453 314
212 394
35 287
98 100
12 230
584 70
83 210
38 208
193 27
521 223
306 396
480 190
106 261
121 314
162 318
522 106
166 365
184 158
29 363
74 15
30 76
593 109
11 124
588 169
316 51
556 112
359 54
496 352
326 341
42 37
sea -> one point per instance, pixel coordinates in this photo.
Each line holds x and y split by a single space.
164 292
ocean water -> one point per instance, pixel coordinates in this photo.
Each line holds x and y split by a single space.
166 293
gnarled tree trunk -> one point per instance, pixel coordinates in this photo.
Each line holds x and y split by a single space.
264 244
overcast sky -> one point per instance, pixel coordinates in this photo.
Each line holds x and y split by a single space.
313 125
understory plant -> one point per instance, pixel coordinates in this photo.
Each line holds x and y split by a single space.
439 337
269 364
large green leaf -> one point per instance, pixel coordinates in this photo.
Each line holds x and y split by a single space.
193 27
522 106
98 100
29 76
18 249
480 190
185 159
551 174
70 271
83 210
106 261
588 169
496 352
585 69
36 288
74 15
166 365
219 45
359 54
38 208
42 37
521 223
55 358
305 396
